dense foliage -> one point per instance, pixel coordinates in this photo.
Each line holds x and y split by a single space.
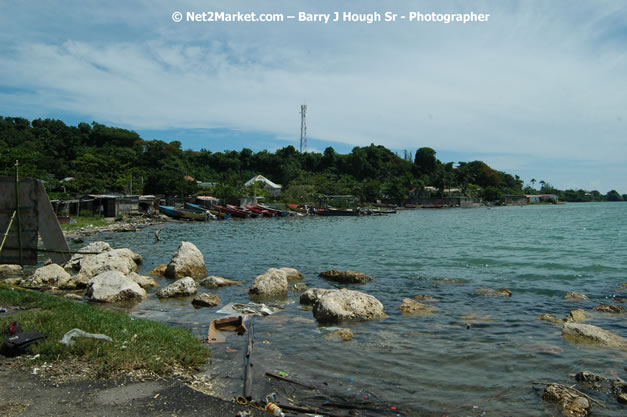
101 159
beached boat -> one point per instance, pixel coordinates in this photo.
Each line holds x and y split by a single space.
179 213
434 206
278 213
234 212
330 211
196 208
259 211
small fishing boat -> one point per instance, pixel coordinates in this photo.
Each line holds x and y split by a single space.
234 212
196 208
179 213
330 211
278 213
259 211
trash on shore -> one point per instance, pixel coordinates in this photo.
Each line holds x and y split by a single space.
247 309
67 338
228 324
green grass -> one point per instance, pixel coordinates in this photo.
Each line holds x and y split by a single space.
137 343
84 221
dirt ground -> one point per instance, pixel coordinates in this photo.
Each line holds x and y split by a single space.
25 394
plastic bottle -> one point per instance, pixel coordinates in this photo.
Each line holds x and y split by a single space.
274 409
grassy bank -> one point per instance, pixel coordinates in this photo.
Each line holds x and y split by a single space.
84 221
137 343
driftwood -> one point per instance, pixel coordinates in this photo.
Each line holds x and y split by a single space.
291 381
248 362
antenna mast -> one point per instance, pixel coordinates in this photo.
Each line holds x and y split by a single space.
303 127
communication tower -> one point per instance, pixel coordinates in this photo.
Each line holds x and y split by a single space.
303 127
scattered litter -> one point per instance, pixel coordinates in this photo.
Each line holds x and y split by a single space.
3 310
67 338
228 324
156 396
274 409
283 374
229 350
270 398
243 414
253 309
266 342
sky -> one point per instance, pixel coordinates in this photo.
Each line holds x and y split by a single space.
538 90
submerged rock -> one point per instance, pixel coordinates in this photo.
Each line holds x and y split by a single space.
312 295
272 283
217 282
180 288
587 333
339 305
550 318
409 306
610 308
206 300
622 287
159 270
346 277
48 276
187 262
577 316
427 298
571 295
292 274
448 281
569 401
143 281
542 348
489 292
113 287
339 335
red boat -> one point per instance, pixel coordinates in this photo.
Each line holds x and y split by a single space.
276 212
234 212
258 210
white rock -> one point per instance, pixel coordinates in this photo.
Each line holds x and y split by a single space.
180 288
292 274
339 305
312 295
187 262
112 287
142 280
121 260
217 282
587 333
48 276
272 283
10 271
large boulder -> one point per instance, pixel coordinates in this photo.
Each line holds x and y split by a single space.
93 248
409 306
187 262
292 274
312 295
180 288
121 260
48 276
339 305
272 283
217 282
113 287
587 333
10 271
346 277
142 280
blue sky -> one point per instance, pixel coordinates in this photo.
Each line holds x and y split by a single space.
538 90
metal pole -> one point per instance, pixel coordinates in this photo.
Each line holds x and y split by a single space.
7 232
17 209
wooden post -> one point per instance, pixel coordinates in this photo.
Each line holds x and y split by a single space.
248 363
6 234
17 210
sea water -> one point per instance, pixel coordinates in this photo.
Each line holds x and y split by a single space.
476 355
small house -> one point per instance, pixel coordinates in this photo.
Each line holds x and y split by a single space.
274 189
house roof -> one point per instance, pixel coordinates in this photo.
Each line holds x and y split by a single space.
261 178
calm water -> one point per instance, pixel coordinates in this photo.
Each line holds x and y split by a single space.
424 365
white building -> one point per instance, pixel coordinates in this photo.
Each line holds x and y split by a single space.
274 189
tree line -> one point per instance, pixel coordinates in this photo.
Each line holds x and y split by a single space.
94 158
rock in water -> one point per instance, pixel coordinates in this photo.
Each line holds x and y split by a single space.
272 283
121 260
550 318
113 287
427 298
48 276
10 271
489 292
346 277
339 335
292 274
180 288
610 308
312 295
217 282
206 300
143 281
578 316
159 270
187 262
571 295
409 306
587 333
569 401
339 305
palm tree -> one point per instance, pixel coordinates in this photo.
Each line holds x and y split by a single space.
533 183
